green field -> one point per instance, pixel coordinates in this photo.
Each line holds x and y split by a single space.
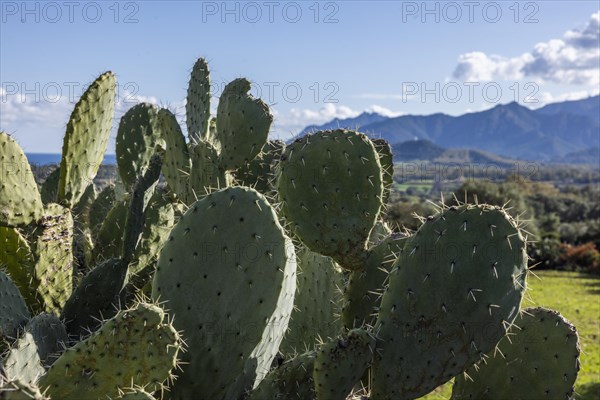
577 297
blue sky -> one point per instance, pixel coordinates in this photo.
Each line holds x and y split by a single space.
311 61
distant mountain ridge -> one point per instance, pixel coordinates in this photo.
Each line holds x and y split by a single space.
510 130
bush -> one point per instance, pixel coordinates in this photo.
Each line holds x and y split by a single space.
584 257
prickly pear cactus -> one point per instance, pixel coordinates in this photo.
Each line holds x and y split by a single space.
49 189
331 189
86 138
136 347
100 208
243 124
53 273
340 364
13 310
260 173
109 241
538 359
176 165
197 107
20 201
206 175
454 291
316 314
226 247
291 380
137 138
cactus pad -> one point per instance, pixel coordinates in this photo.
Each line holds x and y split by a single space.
453 292
176 165
13 310
136 347
539 359
331 188
197 107
18 261
23 361
53 273
226 247
243 124
137 138
341 363
86 139
291 380
50 336
20 201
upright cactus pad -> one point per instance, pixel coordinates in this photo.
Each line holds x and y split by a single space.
292 380
137 138
340 364
454 291
316 312
13 310
20 201
136 347
228 273
98 296
49 335
538 359
17 259
53 273
331 189
109 241
197 107
176 165
86 138
243 124
100 208
362 296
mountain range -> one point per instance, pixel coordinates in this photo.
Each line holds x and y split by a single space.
556 132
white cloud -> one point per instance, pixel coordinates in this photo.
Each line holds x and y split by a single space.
545 98
574 59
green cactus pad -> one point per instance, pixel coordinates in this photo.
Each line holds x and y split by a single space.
365 288
53 273
453 292
13 310
176 165
386 159
86 138
206 175
98 296
22 361
316 312
109 241
137 138
260 172
331 189
197 107
136 347
160 218
18 390
243 124
289 381
228 273
17 259
49 189
100 208
538 359
341 363
20 201
50 336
